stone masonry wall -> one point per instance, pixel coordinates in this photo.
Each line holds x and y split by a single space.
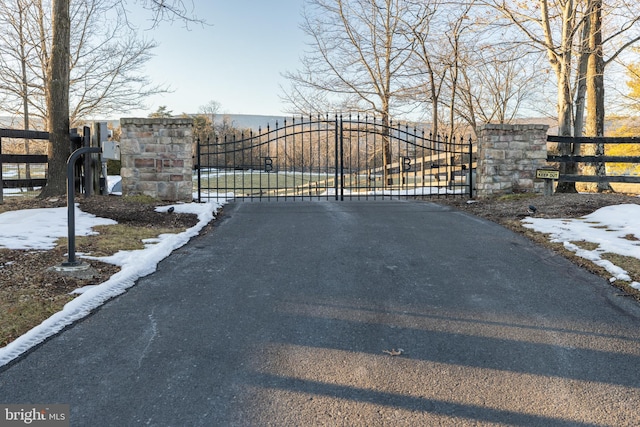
508 156
156 156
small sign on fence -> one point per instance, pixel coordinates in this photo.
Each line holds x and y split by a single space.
547 174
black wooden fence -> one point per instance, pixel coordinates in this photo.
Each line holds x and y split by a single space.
594 159
21 159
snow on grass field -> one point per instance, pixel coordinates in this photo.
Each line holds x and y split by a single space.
612 229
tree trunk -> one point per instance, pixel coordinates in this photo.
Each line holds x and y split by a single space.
563 72
578 125
25 85
57 95
564 129
386 149
434 96
595 89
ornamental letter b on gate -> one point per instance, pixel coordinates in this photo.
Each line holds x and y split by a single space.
268 164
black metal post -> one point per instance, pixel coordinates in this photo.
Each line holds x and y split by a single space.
470 168
338 129
88 176
1 183
198 170
71 217
341 159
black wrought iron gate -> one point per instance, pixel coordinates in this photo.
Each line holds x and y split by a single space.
334 158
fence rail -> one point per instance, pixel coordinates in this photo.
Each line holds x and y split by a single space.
24 158
18 159
590 159
23 134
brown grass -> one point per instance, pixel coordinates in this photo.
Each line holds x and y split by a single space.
30 292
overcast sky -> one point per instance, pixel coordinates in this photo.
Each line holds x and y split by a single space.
237 60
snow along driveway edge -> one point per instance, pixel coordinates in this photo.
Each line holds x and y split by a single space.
135 264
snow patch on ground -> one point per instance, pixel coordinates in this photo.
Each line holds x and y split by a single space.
40 229
614 229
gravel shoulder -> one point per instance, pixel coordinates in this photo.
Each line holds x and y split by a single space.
508 211
505 210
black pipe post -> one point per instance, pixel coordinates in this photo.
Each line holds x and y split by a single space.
341 160
88 175
71 213
337 153
470 168
1 183
199 171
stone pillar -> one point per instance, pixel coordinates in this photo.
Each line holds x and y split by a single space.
156 156
508 156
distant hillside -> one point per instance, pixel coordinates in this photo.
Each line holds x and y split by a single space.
9 122
249 121
552 123
243 121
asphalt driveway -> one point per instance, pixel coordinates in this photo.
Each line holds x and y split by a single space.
290 314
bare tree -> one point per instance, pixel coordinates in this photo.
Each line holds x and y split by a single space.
580 98
358 58
211 108
58 79
14 50
166 10
486 80
632 97
621 32
107 60
204 121
496 83
428 65
105 65
564 27
552 26
438 47
595 85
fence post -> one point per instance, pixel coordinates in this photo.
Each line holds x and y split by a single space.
88 175
157 158
341 159
197 166
1 182
338 130
508 156
470 168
